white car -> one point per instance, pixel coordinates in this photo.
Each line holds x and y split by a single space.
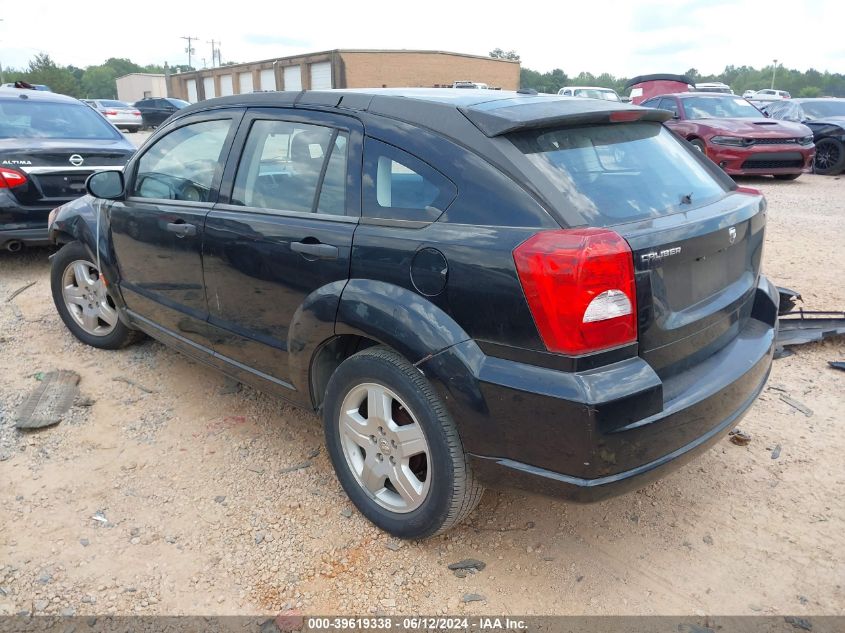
590 92
767 94
748 94
714 86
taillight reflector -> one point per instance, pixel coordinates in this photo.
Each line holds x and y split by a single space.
626 115
580 288
752 191
10 178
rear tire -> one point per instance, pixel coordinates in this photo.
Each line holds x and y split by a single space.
384 421
830 157
698 144
786 176
84 302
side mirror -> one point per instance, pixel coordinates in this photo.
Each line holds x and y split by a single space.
105 184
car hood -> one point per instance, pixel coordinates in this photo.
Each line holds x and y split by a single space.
830 122
756 128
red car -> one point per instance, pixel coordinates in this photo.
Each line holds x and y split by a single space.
737 136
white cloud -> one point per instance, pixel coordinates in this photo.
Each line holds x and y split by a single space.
623 38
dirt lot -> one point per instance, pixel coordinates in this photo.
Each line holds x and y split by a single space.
220 501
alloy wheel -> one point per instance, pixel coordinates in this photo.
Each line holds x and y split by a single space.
827 156
385 447
87 300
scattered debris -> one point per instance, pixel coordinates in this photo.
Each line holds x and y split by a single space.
346 513
84 542
393 546
708 540
797 405
132 383
85 401
219 498
230 386
295 467
799 623
739 438
20 290
100 517
259 538
837 364
788 299
49 401
253 468
472 597
776 452
468 563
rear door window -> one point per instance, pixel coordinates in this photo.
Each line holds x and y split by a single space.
398 186
619 173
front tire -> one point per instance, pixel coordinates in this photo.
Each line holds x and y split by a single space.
698 144
84 302
394 447
830 157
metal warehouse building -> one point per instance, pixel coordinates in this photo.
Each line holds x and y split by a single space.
346 69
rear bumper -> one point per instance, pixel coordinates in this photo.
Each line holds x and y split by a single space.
762 160
560 433
28 237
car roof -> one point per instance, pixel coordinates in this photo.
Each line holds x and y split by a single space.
36 95
493 112
587 88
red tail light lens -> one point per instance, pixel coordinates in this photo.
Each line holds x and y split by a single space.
136 112
10 178
580 288
110 112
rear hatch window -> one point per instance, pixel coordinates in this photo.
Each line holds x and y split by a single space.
24 118
611 174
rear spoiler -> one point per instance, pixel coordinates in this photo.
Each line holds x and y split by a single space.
494 119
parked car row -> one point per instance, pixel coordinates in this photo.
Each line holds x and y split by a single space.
826 118
146 113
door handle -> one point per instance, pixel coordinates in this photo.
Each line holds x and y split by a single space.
318 250
181 229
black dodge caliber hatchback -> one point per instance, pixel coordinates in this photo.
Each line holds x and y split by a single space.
473 288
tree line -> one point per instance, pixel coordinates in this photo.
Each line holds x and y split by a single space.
91 82
98 82
809 83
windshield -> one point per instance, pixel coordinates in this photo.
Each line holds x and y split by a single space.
822 109
23 118
619 173
597 93
719 108
179 103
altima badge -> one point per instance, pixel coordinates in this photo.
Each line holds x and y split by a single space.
732 234
76 160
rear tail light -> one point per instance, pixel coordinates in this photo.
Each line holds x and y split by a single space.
10 178
580 288
136 112
110 112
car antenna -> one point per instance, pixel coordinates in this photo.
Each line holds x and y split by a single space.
686 198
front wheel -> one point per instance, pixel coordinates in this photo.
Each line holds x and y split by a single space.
84 301
698 144
394 447
830 157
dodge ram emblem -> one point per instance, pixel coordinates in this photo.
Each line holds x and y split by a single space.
76 160
732 234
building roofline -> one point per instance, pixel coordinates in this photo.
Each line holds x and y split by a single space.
141 75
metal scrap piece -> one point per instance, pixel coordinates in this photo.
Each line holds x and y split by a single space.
49 401
806 326
797 405
788 298
837 364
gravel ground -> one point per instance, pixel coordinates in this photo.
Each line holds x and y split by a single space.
171 491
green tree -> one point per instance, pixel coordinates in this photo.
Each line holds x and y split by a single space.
43 70
98 83
498 53
810 91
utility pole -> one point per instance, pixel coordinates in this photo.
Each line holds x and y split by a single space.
190 50
774 70
215 52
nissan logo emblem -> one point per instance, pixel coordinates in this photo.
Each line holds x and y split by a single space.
732 234
76 160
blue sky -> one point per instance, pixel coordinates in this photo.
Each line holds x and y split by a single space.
623 38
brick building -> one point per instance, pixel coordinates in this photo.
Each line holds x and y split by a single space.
346 69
